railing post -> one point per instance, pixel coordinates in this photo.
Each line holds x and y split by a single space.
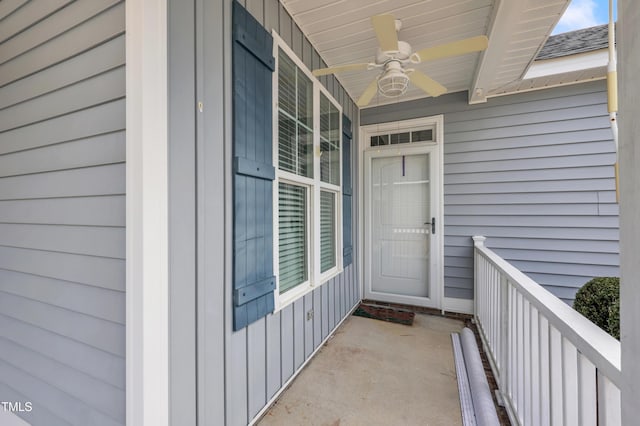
478 241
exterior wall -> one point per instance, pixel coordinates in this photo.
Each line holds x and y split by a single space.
533 173
264 356
629 65
62 210
238 373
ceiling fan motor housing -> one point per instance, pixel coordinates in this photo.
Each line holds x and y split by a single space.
402 54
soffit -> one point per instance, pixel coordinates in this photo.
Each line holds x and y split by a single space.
341 32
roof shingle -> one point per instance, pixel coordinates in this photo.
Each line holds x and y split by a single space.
574 42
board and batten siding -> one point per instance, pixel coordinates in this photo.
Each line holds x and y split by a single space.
262 357
62 210
532 172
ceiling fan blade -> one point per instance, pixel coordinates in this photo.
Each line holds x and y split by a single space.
339 68
368 94
460 47
385 28
427 84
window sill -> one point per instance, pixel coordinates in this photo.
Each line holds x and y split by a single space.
286 299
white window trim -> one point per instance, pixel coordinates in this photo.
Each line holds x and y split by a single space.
315 185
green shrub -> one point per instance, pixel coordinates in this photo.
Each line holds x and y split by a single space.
614 319
599 301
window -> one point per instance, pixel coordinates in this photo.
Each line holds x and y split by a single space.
307 152
422 135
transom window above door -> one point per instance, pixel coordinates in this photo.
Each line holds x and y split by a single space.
404 137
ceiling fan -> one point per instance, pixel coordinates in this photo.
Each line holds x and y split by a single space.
395 56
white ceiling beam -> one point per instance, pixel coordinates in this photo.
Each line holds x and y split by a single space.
504 23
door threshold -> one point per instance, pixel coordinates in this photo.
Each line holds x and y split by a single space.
419 309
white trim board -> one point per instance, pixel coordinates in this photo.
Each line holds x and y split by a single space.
461 306
147 231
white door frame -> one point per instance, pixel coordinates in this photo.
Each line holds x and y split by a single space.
435 149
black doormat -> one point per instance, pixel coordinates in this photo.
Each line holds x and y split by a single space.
383 313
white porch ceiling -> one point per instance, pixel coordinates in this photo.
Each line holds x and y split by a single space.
341 32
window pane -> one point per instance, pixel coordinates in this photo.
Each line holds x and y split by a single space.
327 230
329 141
287 155
400 138
382 140
286 84
305 99
422 135
292 204
305 152
295 118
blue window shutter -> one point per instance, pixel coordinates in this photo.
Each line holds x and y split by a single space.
253 171
347 193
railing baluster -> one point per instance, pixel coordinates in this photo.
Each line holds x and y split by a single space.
588 398
570 382
608 402
545 404
513 347
555 377
492 317
520 362
494 314
526 367
504 331
535 367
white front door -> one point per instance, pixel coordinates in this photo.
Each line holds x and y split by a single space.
402 223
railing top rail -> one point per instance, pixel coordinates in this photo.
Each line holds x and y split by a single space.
602 349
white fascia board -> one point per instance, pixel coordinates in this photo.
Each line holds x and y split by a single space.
568 64
147 230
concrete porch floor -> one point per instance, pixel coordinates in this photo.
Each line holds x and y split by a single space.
377 373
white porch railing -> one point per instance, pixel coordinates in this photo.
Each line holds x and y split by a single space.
552 365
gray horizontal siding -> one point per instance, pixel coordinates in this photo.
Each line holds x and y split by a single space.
264 356
533 173
62 210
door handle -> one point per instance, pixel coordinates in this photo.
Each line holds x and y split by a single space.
433 225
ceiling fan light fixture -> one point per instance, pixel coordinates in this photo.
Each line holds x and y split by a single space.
393 82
